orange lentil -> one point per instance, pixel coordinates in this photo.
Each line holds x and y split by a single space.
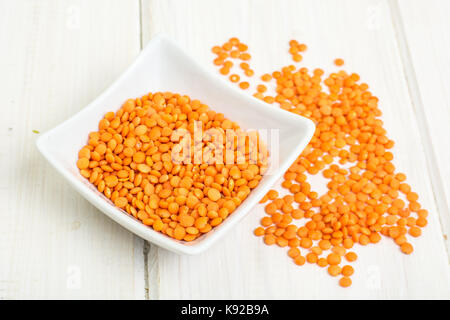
311 257
300 260
121 202
324 244
302 47
333 259
216 49
282 242
224 70
322 262
249 72
415 231
345 282
421 222
261 88
272 194
266 77
244 56
83 163
269 239
293 252
214 194
334 270
218 61
347 270
297 57
242 47
228 64
244 85
422 213
339 250
259 231
339 62
406 248
244 66
351 256
234 78
306 243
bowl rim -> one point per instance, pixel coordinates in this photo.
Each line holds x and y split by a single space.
134 225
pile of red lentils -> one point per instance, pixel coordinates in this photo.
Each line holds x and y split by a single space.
366 198
130 160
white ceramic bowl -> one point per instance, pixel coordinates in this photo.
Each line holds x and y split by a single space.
162 66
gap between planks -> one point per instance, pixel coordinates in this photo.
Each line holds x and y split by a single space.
146 246
419 111
150 252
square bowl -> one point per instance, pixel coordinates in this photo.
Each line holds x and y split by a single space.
162 66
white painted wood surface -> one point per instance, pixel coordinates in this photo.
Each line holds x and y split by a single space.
427 48
58 55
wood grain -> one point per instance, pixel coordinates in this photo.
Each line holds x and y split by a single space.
426 50
361 32
58 56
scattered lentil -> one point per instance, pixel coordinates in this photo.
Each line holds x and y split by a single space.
366 197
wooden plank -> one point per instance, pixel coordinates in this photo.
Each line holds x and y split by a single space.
362 33
58 56
426 52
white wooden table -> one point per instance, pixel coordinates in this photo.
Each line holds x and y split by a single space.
57 55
